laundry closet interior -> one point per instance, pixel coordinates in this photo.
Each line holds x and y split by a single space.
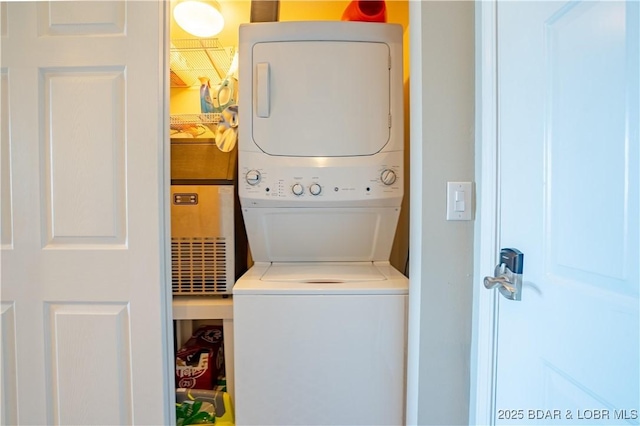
210 250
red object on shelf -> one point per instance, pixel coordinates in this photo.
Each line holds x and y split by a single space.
365 10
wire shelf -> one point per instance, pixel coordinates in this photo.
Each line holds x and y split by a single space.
208 118
196 126
191 59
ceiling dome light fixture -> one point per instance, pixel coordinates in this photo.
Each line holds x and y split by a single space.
199 18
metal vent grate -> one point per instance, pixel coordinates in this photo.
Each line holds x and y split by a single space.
199 265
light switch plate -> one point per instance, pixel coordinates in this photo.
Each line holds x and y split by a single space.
459 200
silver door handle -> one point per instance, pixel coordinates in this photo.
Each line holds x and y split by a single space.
508 275
502 280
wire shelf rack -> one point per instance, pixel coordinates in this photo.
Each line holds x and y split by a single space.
191 59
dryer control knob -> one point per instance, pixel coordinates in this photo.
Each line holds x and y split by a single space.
297 189
388 177
315 189
253 177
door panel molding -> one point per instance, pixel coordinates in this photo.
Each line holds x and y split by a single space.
84 165
8 368
561 389
83 18
6 199
574 61
89 342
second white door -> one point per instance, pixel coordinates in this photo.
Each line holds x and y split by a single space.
568 114
85 330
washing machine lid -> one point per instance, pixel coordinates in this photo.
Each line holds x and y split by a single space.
321 279
318 273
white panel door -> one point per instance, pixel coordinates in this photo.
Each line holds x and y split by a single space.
568 113
85 329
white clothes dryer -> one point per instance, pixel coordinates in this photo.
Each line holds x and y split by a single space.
320 319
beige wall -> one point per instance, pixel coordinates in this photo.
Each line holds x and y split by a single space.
442 89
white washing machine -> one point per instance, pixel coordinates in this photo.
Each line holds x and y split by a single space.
320 319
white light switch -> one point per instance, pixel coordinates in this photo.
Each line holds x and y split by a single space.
459 200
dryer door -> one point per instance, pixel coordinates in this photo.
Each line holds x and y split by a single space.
321 98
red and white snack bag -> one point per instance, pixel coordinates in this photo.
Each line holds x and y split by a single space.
200 361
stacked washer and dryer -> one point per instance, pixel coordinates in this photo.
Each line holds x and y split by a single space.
320 318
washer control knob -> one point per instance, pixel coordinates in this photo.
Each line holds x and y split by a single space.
388 177
297 189
315 189
253 177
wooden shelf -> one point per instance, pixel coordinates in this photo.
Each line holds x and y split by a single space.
202 307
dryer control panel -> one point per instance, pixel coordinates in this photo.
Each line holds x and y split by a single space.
336 181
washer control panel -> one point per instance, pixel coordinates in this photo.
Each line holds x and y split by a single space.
254 177
333 180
